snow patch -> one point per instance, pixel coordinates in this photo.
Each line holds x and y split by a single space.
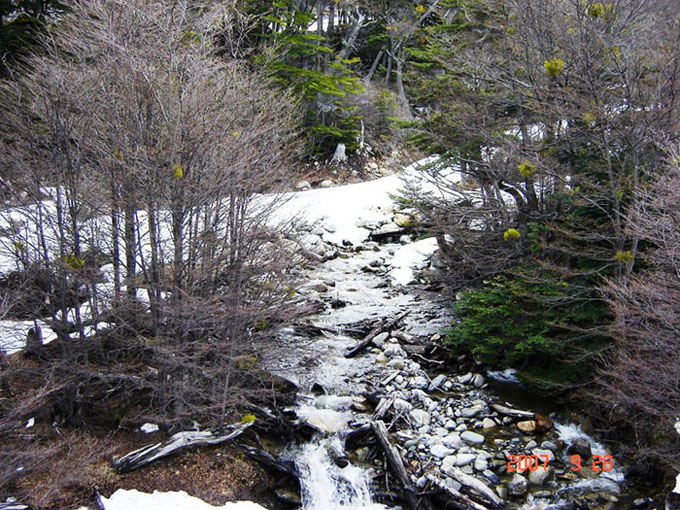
135 500
410 258
149 428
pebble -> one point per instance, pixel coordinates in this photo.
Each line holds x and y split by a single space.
440 451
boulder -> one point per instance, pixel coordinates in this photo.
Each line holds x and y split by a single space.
581 447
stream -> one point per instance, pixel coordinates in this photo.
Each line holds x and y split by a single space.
438 420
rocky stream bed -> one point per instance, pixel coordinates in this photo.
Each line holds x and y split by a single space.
454 436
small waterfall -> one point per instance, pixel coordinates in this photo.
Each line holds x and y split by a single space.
326 486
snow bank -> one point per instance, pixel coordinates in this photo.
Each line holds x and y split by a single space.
410 258
135 500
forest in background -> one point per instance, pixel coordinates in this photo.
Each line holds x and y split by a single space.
563 113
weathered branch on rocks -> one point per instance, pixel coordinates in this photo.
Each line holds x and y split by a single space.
473 483
395 462
383 407
459 501
178 442
514 413
383 325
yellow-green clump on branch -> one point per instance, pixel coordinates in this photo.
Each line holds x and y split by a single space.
512 234
553 67
526 168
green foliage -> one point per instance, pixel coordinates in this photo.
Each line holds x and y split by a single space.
526 168
523 321
248 418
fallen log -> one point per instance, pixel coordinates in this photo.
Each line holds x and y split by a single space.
514 413
460 501
473 483
178 442
383 325
278 464
395 462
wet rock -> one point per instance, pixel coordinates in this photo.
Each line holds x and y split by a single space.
289 497
419 417
518 486
527 426
540 476
543 424
581 447
472 437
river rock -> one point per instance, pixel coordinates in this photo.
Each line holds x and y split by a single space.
401 405
379 340
381 358
452 440
488 424
464 379
478 381
472 437
393 350
540 476
396 363
440 451
518 486
465 459
438 381
527 426
471 412
481 464
549 445
419 417
419 382
538 452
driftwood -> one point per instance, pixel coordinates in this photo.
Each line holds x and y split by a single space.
383 407
395 462
515 413
459 501
473 483
271 461
178 442
383 325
